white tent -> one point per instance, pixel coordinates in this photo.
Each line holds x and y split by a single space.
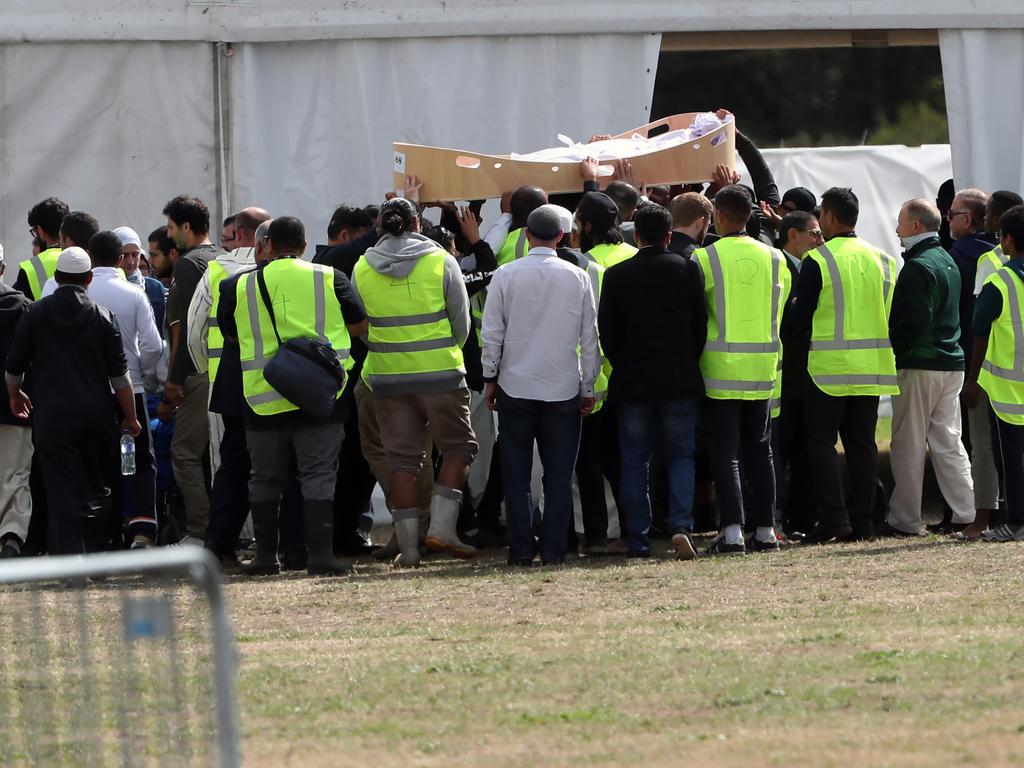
117 105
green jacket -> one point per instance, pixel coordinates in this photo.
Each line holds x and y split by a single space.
924 325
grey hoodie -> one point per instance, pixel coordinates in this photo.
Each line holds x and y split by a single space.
396 257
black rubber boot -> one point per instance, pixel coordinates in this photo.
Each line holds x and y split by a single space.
264 523
319 524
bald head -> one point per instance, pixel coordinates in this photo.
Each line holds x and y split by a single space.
525 201
246 222
917 217
925 213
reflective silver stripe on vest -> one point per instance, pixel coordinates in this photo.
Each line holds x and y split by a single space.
411 346
1003 373
740 386
776 293
265 397
319 304
211 322
855 378
37 266
716 272
833 346
521 245
742 346
1015 318
399 321
775 402
1013 409
215 354
839 304
254 319
887 273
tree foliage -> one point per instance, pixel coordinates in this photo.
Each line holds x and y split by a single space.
812 97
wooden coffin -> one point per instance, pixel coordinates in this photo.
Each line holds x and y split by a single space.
453 174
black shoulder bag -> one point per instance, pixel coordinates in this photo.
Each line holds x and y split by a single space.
306 372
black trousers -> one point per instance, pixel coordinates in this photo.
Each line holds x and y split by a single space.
852 419
229 499
138 503
353 490
598 458
81 469
794 494
739 430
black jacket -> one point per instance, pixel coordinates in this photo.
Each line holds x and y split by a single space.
13 306
653 324
73 346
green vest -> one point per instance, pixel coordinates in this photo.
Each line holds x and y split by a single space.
994 258
39 269
776 404
850 351
608 255
214 338
410 337
746 286
304 307
1002 373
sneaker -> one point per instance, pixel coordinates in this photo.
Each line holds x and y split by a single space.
719 547
683 547
142 542
756 545
822 533
1004 533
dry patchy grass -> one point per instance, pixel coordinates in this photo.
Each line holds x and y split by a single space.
890 653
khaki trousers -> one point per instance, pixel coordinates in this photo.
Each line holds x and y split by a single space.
926 417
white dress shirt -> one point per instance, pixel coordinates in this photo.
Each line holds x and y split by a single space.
129 304
539 312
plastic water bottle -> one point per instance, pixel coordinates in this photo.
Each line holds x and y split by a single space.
127 454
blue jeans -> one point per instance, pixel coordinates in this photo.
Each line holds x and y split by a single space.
673 423
556 428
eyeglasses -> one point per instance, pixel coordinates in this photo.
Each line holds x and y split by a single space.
953 214
814 233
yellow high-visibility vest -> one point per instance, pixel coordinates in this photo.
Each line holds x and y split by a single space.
410 336
746 286
304 307
1002 373
850 351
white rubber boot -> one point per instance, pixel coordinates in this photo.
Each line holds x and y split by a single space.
444 515
407 531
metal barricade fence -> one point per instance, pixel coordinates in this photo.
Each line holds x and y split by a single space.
123 658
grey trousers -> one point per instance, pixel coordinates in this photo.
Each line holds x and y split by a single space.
191 437
316 452
15 465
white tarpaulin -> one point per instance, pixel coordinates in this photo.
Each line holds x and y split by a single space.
313 124
883 178
115 129
983 73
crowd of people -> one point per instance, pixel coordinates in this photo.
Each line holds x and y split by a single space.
699 351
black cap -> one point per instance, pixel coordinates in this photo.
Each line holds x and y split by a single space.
802 198
599 210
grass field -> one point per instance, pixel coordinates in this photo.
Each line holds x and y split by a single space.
885 653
